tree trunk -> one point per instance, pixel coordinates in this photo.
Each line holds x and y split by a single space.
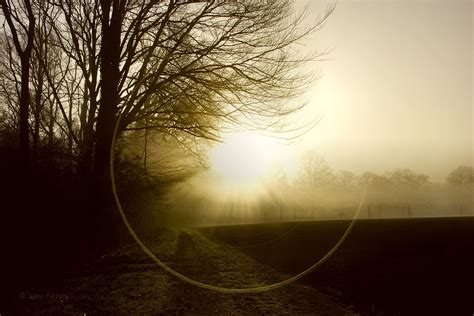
110 73
24 110
25 55
51 123
37 113
107 217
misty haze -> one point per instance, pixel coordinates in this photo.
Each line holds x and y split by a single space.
236 157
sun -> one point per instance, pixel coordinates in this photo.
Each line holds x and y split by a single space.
244 157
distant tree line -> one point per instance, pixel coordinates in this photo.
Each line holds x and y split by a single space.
318 189
315 171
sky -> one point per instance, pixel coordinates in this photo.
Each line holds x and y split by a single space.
396 90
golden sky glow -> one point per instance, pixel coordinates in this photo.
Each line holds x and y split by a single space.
395 92
396 87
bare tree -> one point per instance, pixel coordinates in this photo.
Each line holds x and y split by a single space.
373 179
315 171
462 175
21 22
9 86
406 183
345 178
314 175
407 178
185 69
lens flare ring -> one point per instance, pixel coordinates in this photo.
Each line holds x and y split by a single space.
209 286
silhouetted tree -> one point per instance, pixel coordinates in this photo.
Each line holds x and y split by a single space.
345 178
408 178
183 68
21 22
315 171
406 182
462 175
46 63
314 175
373 179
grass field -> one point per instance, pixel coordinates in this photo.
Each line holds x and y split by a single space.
421 266
385 267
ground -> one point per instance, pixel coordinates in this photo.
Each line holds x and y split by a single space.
418 266
126 281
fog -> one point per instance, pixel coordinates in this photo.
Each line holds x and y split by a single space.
397 96
396 86
195 204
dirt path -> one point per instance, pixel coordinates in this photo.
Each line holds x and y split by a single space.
127 282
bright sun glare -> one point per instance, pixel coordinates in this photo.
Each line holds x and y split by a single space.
244 157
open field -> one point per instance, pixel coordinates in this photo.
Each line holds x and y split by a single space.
385 267
391 266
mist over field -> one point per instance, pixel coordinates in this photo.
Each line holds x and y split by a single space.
284 157
310 190
198 203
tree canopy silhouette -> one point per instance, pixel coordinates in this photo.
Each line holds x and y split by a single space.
180 67
185 69
462 175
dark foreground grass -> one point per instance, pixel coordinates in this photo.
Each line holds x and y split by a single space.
126 282
419 266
